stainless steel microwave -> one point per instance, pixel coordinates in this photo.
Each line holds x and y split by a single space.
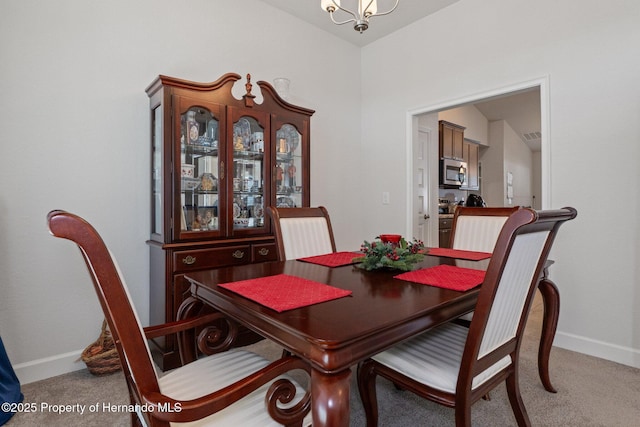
453 173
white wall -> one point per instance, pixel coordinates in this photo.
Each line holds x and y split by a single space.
587 51
518 161
493 166
475 123
74 135
507 154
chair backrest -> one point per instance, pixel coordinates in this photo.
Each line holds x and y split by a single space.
114 298
302 232
477 229
506 294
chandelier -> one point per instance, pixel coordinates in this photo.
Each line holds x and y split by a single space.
366 10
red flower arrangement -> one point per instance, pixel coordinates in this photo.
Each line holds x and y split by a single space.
390 251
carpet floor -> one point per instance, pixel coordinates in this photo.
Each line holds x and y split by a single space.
591 392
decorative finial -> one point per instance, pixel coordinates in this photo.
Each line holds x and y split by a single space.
248 85
248 97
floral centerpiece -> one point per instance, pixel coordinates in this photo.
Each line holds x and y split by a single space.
390 251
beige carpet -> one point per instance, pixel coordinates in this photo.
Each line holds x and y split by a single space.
591 392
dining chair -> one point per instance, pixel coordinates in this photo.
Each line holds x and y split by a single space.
302 232
477 229
454 365
230 388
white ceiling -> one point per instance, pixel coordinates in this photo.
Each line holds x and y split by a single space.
521 110
408 11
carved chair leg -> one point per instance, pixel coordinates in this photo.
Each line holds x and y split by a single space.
515 399
463 414
367 388
135 420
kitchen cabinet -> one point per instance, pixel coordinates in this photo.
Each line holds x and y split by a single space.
216 163
471 156
451 138
445 222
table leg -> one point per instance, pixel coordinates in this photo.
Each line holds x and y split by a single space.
551 302
330 398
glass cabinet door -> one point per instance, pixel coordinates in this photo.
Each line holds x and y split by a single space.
248 175
288 167
199 173
157 217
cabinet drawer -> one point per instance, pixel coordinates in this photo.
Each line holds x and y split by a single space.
264 252
445 223
198 259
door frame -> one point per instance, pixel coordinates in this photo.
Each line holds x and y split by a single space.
425 177
545 152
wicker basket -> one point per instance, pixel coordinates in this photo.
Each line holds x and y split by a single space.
101 357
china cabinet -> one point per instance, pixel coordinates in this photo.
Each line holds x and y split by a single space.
217 161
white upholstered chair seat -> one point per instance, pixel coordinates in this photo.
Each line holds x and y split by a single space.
214 372
433 358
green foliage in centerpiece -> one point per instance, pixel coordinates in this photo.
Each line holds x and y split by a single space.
390 251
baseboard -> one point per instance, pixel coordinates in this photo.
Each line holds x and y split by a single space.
604 350
48 367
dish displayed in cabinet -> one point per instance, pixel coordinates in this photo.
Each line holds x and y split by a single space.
189 184
258 211
288 139
285 202
208 183
242 134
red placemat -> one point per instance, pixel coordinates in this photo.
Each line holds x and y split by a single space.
460 254
335 259
284 292
445 276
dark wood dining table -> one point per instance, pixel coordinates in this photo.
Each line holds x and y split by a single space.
335 335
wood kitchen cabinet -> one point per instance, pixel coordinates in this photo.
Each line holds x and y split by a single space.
444 231
216 163
451 138
471 156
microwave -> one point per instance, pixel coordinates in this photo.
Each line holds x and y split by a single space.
453 173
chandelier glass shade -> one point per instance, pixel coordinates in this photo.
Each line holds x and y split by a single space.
360 19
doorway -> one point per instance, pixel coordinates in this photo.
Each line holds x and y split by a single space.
425 119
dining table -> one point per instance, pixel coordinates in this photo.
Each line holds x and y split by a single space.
378 311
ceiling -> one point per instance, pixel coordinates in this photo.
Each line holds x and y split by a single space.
521 110
408 11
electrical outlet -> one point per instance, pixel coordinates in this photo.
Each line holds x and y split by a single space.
385 197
